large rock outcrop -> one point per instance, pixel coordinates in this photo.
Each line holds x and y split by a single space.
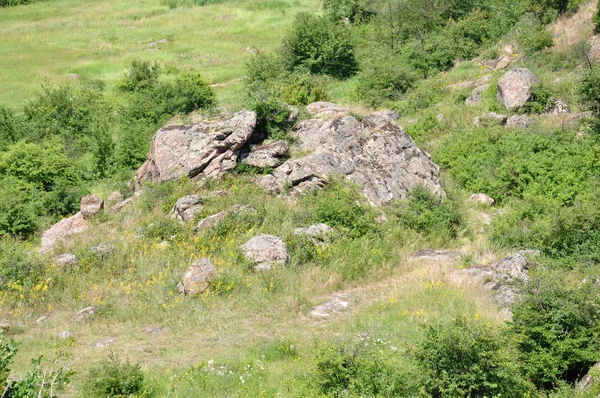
374 153
204 149
515 88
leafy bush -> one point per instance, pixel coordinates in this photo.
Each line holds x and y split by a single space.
556 325
364 368
596 19
534 37
19 264
383 78
320 45
463 358
357 11
589 90
340 205
425 212
541 97
117 379
8 350
141 75
272 117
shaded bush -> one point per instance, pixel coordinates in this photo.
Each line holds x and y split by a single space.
320 45
556 325
463 358
117 379
141 75
357 11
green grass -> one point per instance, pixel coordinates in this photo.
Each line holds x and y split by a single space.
48 40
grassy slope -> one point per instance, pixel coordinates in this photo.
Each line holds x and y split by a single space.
98 39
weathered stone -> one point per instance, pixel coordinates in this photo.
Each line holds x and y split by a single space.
438 255
105 343
65 334
63 229
557 107
90 206
269 155
518 122
502 277
515 88
103 250
480 198
490 119
5 325
337 303
115 198
84 314
294 114
314 231
121 205
216 219
476 95
325 110
591 379
375 154
265 251
502 62
43 318
197 277
186 208
206 149
67 259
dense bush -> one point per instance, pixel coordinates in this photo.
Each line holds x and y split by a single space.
18 265
534 37
427 213
340 205
557 327
115 378
364 369
596 19
140 76
320 45
357 11
589 90
465 358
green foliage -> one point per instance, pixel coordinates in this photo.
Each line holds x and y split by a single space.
8 350
589 90
556 325
320 45
272 117
141 75
505 164
596 19
364 368
467 358
383 78
19 264
541 97
115 378
340 205
428 213
534 36
357 11
12 3
558 6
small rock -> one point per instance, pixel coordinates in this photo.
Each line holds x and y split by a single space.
337 303
475 97
197 277
153 329
491 118
515 88
115 198
294 114
269 155
558 107
43 318
266 251
73 76
90 206
84 313
438 255
65 334
121 205
67 259
317 231
502 62
105 343
4 325
157 42
62 230
440 118
480 198
103 250
186 208
518 122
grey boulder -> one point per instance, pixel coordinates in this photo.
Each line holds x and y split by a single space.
266 251
186 208
91 205
216 219
197 277
269 155
515 88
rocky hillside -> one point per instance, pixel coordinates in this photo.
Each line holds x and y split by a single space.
398 210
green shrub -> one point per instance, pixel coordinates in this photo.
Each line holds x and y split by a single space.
534 37
383 78
141 75
589 90
272 116
117 379
8 350
425 212
320 45
464 358
366 368
557 327
8 129
357 11
340 205
596 19
541 97
19 264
